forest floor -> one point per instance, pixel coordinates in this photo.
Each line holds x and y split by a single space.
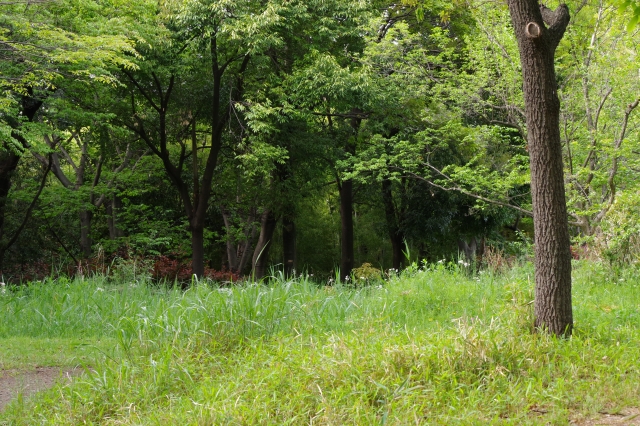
432 346
25 383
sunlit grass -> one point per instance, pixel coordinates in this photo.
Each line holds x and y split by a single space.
431 346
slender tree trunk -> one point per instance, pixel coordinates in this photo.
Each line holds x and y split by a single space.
261 253
468 249
346 228
537 43
395 233
86 217
113 208
289 245
197 251
346 203
239 250
245 246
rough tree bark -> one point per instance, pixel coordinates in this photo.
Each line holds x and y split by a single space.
538 31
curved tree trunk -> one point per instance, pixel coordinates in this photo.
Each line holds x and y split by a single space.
261 252
539 30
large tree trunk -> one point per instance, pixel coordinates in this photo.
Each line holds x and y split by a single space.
289 245
537 43
346 228
261 252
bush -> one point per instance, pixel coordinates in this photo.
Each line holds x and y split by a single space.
366 275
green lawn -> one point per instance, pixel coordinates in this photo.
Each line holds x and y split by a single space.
429 347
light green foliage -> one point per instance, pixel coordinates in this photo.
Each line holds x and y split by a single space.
600 113
437 346
431 126
47 43
634 7
366 274
619 240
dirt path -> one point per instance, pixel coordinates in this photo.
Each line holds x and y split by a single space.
14 382
630 416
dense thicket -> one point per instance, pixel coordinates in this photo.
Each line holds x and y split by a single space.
300 135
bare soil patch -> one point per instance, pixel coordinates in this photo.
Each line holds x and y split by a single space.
29 382
629 416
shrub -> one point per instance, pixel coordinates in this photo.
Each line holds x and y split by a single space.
366 274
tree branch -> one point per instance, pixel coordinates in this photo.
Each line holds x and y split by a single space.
27 214
557 21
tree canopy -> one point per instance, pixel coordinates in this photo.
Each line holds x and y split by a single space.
304 135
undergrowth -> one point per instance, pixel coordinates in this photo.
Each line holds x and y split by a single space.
430 346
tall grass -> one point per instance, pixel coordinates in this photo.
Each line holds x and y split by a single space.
434 346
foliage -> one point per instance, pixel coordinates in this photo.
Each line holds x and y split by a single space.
366 274
46 46
439 156
619 239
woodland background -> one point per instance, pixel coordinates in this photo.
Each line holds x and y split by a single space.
255 136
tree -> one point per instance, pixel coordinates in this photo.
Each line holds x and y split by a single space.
44 46
599 114
539 31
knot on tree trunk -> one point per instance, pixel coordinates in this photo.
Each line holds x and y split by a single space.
532 30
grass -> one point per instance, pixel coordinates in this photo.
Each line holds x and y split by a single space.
428 347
